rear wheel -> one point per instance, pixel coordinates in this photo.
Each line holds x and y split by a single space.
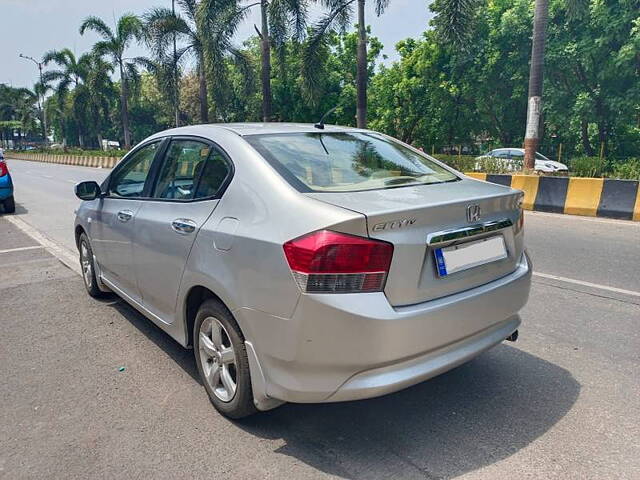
9 205
222 362
88 268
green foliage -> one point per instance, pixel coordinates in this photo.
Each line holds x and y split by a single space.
587 167
629 170
462 163
462 83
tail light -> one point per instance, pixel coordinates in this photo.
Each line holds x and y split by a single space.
332 262
3 168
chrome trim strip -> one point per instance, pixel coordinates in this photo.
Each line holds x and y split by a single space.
471 231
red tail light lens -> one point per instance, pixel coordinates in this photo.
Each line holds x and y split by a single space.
3 168
332 262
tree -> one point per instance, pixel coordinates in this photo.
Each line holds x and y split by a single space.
114 44
280 19
204 30
534 104
70 75
338 18
455 19
163 25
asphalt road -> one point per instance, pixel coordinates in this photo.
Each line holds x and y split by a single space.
562 402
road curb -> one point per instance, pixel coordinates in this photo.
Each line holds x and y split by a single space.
66 257
593 197
76 160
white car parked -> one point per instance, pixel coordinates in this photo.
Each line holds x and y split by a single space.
513 159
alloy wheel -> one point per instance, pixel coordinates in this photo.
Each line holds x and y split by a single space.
87 266
218 359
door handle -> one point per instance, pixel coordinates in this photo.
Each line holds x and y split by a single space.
183 225
125 215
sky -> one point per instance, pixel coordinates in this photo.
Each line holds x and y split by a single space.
32 27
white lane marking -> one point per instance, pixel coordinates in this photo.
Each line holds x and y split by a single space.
21 249
562 216
65 256
71 181
47 176
587 284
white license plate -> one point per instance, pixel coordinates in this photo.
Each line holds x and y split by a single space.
468 255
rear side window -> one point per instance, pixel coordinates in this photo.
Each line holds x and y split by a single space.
191 170
346 161
129 179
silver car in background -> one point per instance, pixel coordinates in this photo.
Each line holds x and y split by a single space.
306 263
512 160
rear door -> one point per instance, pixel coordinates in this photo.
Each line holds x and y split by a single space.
115 218
190 181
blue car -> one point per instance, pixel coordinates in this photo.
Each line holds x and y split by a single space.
6 188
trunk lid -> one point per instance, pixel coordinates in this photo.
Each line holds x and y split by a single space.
410 217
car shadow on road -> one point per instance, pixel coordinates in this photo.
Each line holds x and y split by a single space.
476 415
182 356
473 416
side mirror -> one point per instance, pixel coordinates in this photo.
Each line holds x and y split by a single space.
87 190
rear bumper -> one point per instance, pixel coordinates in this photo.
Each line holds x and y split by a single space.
356 346
380 381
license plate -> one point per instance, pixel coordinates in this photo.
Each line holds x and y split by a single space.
468 255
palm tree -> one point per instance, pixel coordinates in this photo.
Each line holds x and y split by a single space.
204 29
162 26
279 20
339 17
95 95
114 44
70 75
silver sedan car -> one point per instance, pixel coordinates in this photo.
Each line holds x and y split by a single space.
306 263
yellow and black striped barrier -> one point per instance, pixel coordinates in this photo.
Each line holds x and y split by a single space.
594 197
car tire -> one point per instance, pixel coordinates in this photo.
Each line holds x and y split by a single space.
221 358
9 205
87 267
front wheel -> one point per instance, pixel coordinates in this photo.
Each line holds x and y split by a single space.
221 358
88 267
9 205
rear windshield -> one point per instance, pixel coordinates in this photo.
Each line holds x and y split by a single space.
346 162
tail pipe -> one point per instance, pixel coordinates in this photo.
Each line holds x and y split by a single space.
513 337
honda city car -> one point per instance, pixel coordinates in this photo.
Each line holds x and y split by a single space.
306 263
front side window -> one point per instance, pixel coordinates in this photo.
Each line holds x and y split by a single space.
128 181
346 161
191 170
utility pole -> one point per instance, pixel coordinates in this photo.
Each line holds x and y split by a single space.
43 115
176 94
534 106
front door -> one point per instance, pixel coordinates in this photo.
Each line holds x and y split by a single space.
116 219
187 190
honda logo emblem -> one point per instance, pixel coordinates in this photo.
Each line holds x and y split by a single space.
473 213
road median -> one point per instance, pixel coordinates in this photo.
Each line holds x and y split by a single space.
592 197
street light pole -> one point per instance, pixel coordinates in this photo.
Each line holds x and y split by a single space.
43 115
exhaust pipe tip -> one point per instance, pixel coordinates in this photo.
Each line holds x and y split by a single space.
513 337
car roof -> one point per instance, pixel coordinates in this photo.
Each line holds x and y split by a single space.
244 129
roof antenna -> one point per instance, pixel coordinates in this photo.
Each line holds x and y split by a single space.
320 124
